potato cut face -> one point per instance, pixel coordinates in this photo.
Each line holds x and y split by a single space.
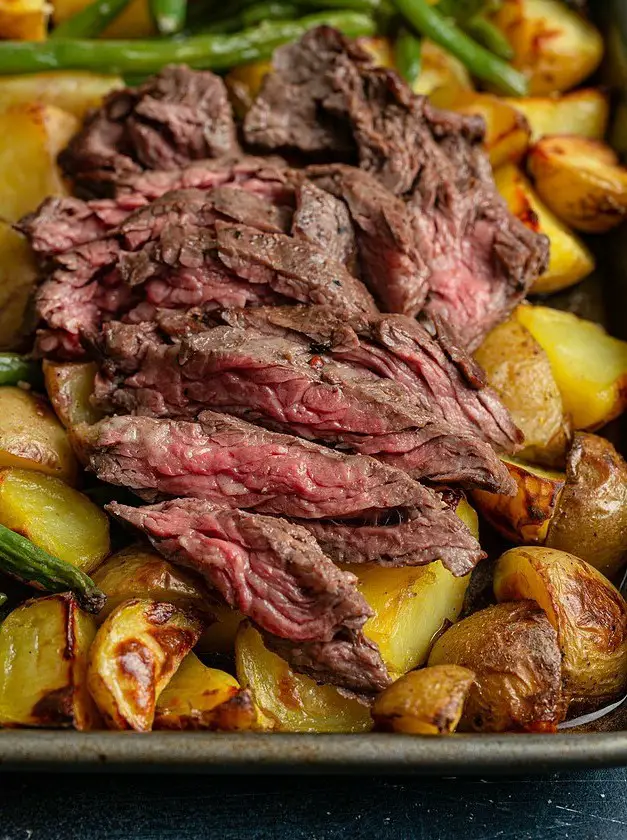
44 645
31 436
74 92
589 366
291 702
54 516
507 131
69 386
18 275
583 112
24 20
134 655
442 77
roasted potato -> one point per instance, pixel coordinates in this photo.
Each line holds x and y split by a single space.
570 259
527 516
553 45
589 366
198 697
219 635
507 130
583 112
32 135
513 650
24 20
425 702
134 22
57 518
43 665
291 702
32 437
519 370
442 77
133 656
591 516
244 82
69 386
581 181
588 613
18 275
380 49
72 91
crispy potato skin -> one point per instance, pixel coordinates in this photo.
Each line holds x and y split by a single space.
588 613
290 702
69 386
589 366
583 112
513 650
581 181
425 702
18 275
134 655
74 92
507 130
44 645
32 437
527 516
591 517
520 372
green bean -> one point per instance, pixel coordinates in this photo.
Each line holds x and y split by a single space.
214 52
490 36
15 368
168 15
32 565
90 21
427 21
407 53
254 15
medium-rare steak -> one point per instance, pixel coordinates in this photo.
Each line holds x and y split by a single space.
175 117
270 569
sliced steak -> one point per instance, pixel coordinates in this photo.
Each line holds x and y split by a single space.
270 569
175 117
324 221
234 464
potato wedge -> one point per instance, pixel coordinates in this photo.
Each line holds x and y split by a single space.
198 697
553 45
32 437
24 20
425 702
72 91
520 372
581 181
591 516
442 77
44 645
589 366
31 137
69 386
507 131
526 517
513 650
18 275
134 22
133 656
583 112
219 635
57 518
291 702
588 613
570 259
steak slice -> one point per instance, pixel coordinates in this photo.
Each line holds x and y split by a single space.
270 569
324 221
234 464
175 117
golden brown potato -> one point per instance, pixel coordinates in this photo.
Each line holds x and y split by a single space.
513 650
24 20
69 386
18 275
55 517
425 702
43 664
520 372
570 259
507 130
555 47
581 181
72 91
31 137
442 77
244 82
589 614
32 437
291 702
219 635
135 653
527 516
582 112
381 50
134 22
198 697
589 366
591 516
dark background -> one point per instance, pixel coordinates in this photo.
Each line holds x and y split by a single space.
572 806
